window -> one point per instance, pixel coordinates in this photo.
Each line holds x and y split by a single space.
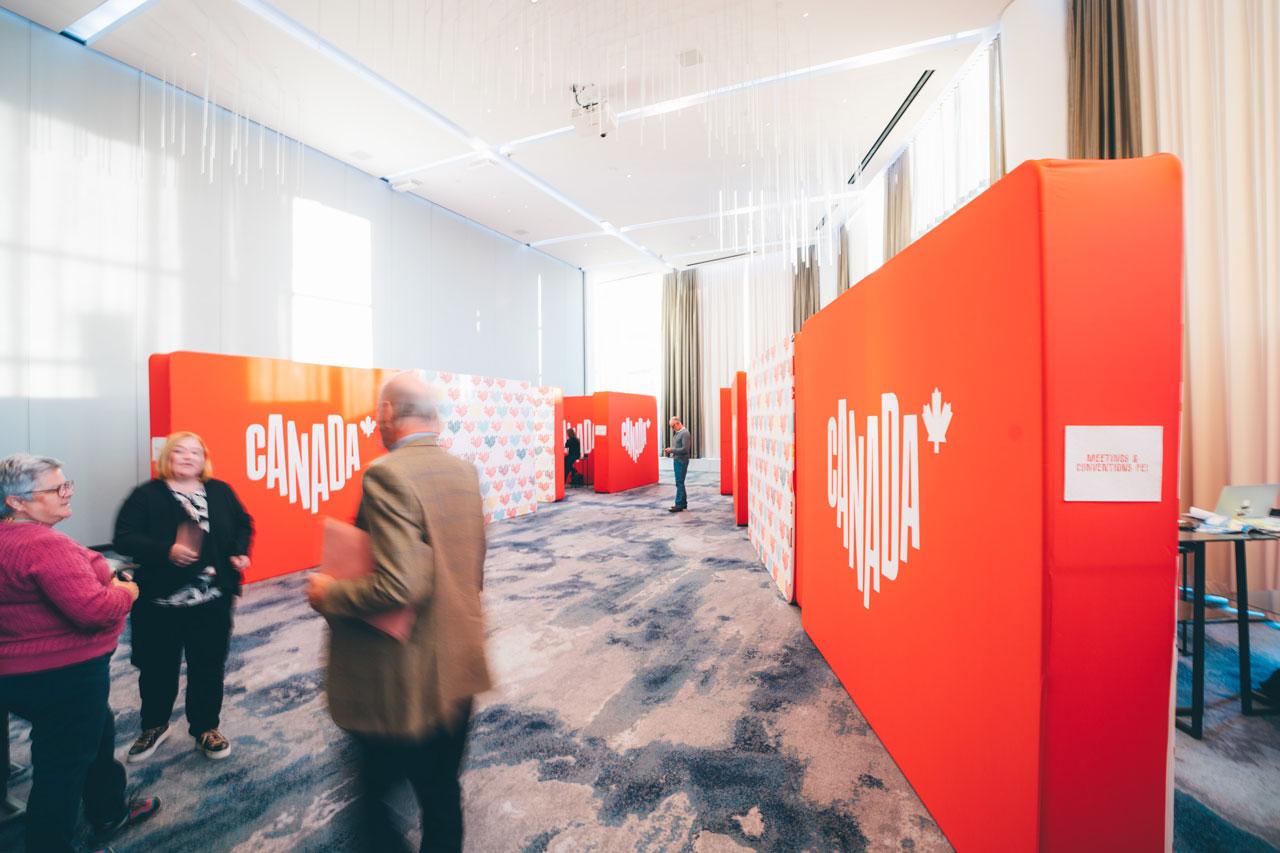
332 286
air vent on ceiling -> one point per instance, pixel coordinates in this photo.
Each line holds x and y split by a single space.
893 122
690 57
721 258
405 185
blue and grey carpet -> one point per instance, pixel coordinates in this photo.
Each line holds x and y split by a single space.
654 693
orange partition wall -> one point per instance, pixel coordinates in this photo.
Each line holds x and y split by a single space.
558 430
726 441
292 439
626 440
738 417
987 433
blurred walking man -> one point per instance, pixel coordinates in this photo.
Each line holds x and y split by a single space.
408 705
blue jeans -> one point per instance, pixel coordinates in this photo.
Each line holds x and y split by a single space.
682 468
73 736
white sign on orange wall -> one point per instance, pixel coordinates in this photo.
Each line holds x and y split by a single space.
1117 464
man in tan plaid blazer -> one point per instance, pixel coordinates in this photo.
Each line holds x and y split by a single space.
408 705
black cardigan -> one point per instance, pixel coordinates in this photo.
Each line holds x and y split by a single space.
147 526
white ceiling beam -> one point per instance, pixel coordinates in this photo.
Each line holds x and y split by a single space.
309 39
835 66
104 18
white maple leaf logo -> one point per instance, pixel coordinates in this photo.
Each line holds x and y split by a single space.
937 417
367 425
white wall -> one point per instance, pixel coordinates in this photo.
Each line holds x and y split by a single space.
113 247
1033 49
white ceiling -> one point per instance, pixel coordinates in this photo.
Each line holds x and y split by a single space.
500 72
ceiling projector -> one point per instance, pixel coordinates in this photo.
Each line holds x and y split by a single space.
591 115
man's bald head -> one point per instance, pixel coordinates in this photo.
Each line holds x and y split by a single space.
406 405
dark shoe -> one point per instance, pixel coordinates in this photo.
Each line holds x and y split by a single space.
676 509
147 743
138 811
213 745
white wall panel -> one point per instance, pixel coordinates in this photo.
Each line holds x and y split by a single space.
117 241
15 111
562 320
1033 49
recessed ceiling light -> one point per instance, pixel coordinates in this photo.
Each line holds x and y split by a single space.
622 68
628 176
805 15
194 54
743 165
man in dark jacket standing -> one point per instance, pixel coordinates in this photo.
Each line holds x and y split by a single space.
679 453
408 705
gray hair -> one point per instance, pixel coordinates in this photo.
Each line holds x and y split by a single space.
18 476
410 397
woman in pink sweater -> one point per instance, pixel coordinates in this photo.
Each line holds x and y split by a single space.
61 612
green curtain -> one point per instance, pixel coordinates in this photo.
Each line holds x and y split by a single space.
681 357
804 294
842 267
1104 114
897 205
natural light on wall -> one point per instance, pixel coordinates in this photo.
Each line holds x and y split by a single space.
626 344
332 286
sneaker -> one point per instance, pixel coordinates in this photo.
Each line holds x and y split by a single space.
147 743
138 811
213 744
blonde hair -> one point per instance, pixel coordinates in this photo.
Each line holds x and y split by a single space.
164 465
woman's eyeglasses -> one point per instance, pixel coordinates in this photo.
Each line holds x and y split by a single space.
65 489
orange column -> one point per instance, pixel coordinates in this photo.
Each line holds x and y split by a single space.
739 412
726 441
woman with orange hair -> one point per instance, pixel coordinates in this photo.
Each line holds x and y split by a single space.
190 536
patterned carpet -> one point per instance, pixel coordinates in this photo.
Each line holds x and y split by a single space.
655 694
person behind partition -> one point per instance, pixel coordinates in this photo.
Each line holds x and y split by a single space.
407 706
572 453
679 453
190 536
61 613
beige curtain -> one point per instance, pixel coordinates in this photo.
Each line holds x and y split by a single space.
1211 91
842 265
805 295
995 76
897 205
1104 119
681 356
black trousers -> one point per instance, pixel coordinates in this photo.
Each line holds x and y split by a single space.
161 637
73 735
432 767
